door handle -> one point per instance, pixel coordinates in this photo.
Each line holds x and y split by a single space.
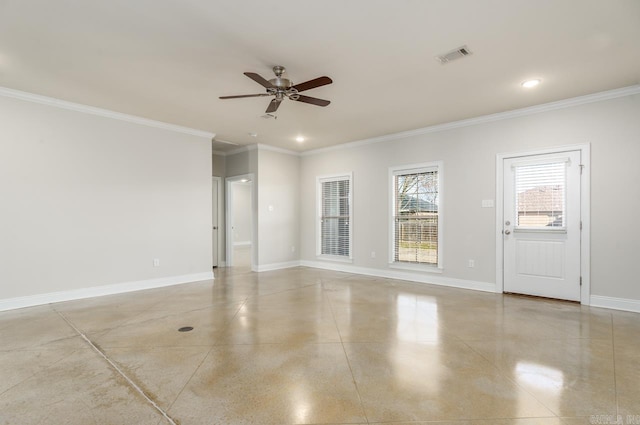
215 227
507 232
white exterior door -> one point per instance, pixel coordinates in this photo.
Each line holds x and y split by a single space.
541 227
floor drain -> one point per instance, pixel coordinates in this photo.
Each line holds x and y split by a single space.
185 329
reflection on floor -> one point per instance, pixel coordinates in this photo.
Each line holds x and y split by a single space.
306 346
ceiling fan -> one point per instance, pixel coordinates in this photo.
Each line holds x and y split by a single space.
281 87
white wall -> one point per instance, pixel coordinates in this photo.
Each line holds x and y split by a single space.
612 128
88 201
218 165
278 207
244 162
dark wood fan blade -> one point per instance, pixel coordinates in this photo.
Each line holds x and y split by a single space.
313 100
312 84
258 79
273 106
245 95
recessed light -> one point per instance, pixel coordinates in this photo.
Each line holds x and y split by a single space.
252 134
299 139
531 83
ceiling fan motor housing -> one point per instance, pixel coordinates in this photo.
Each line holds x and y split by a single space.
283 83
282 86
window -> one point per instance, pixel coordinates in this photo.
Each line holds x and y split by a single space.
334 215
416 223
540 195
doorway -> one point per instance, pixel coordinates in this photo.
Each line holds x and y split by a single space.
542 223
240 223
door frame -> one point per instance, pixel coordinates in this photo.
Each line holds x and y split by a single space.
217 181
229 217
585 213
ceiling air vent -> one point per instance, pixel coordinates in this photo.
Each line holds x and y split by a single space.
458 53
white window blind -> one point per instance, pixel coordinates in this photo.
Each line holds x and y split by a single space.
416 230
540 195
335 216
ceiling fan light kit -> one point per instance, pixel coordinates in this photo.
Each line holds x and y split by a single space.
281 88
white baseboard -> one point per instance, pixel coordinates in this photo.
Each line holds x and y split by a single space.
242 243
275 266
626 304
97 291
404 275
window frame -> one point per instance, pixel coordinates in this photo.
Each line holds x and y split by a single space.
412 169
319 181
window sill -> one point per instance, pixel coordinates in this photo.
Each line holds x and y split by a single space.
335 258
416 267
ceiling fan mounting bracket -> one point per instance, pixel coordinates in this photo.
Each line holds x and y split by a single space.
279 70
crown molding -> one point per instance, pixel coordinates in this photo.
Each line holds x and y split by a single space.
257 146
245 148
276 149
77 107
531 110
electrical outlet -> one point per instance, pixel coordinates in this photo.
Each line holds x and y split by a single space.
156 262
373 254
472 263
293 248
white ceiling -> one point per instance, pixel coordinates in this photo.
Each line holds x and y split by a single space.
170 60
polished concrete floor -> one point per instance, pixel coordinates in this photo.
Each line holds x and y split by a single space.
307 346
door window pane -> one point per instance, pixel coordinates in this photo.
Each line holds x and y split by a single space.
540 195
